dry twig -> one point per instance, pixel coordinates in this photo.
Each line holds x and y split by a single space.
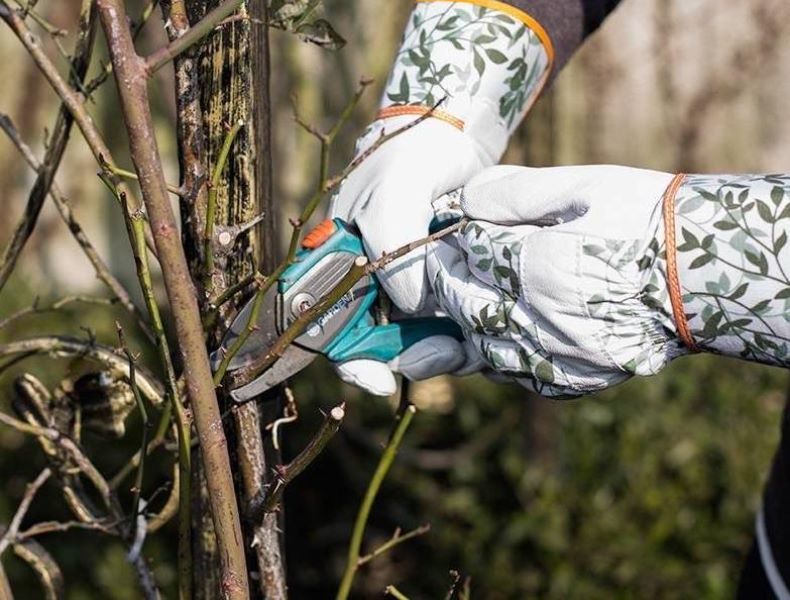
62 204
56 146
10 534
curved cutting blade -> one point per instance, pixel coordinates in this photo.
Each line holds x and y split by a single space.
266 332
293 360
264 335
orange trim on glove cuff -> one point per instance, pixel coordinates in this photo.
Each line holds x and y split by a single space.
673 281
519 15
419 110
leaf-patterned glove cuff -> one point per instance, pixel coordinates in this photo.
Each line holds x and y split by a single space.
485 60
733 264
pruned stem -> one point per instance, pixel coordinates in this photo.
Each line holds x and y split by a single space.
211 208
391 590
287 473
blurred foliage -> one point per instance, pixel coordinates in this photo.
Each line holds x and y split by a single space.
648 490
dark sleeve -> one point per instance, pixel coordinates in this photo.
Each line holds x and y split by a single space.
568 22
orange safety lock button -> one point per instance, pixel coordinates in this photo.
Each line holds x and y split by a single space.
319 234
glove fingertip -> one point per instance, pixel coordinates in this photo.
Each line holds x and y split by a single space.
372 376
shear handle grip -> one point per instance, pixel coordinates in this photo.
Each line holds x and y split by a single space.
385 342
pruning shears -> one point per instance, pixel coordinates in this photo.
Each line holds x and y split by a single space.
346 331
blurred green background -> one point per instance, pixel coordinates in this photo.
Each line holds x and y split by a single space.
646 491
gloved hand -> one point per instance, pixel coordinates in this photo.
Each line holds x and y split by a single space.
559 281
389 198
487 83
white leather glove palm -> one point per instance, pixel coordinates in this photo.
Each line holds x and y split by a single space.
558 281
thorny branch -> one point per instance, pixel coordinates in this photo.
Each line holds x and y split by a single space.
135 224
138 483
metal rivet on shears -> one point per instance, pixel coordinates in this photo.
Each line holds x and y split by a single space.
301 303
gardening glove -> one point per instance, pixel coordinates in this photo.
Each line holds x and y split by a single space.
564 280
464 77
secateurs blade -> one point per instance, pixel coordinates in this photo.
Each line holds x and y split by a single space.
346 331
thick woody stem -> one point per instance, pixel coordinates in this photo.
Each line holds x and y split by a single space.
197 32
131 78
106 70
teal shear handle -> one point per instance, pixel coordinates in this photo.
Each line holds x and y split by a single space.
385 342
361 337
